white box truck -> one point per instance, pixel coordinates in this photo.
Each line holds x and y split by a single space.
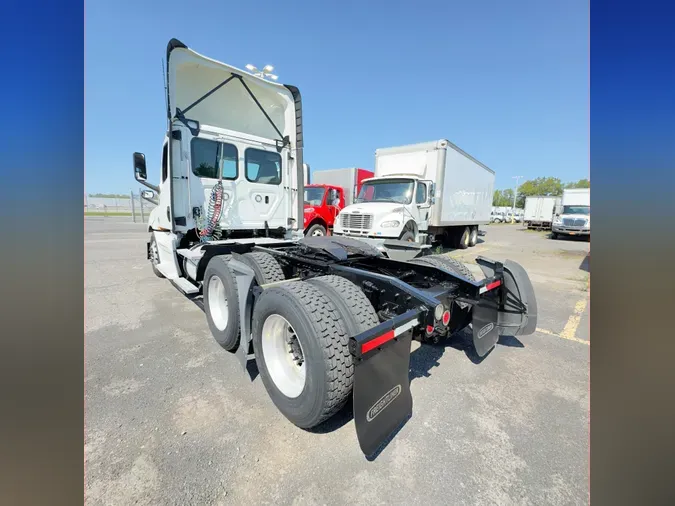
425 193
539 211
575 216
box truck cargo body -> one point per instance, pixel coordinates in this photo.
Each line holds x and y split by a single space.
330 191
349 179
425 193
539 211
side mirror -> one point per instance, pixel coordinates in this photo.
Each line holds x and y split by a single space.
140 171
148 194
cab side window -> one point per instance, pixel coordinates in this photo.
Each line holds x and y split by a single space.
421 195
263 166
208 157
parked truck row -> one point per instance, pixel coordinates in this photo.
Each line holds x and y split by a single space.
324 318
568 215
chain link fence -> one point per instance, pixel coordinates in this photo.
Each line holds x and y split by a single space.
133 207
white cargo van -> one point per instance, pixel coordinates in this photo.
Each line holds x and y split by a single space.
424 193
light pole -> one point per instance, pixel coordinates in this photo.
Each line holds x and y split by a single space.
515 194
265 73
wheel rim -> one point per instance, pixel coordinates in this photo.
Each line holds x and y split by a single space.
318 232
474 235
466 239
218 307
283 356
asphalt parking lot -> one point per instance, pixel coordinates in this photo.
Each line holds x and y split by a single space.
172 419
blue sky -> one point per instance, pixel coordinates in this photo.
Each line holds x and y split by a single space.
506 81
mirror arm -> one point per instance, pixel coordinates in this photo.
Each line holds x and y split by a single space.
152 201
145 183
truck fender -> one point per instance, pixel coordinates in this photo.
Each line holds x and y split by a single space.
245 277
518 315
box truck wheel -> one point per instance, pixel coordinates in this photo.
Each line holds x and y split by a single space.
316 230
301 348
554 235
408 236
265 267
473 237
463 241
221 303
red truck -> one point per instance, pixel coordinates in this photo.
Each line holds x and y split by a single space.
330 191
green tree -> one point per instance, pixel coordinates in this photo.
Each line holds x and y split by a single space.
544 186
503 198
582 183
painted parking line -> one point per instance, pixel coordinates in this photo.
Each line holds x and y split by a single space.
570 330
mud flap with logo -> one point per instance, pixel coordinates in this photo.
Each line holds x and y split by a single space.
484 323
382 399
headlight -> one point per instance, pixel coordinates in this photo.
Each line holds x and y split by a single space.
557 221
390 224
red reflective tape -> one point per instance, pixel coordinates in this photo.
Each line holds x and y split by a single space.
378 341
494 284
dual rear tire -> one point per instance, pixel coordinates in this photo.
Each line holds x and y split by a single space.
221 298
301 343
300 333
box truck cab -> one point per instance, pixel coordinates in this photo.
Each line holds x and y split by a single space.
331 191
425 193
575 216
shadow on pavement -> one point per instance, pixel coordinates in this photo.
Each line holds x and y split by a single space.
586 263
426 357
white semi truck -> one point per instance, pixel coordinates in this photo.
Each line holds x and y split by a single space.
324 318
424 193
574 219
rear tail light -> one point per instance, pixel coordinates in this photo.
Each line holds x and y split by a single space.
446 318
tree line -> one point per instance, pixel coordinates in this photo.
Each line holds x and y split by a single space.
548 186
109 195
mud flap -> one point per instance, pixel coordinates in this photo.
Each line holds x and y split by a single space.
382 399
518 317
484 324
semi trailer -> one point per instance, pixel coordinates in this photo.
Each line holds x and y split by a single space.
425 193
329 192
324 318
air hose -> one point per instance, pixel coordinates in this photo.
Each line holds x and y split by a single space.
211 230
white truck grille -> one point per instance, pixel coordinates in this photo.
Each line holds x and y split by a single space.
356 221
574 222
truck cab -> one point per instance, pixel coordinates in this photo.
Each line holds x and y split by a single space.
394 207
574 218
322 203
231 162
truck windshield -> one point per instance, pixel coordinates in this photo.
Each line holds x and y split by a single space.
314 196
396 190
577 210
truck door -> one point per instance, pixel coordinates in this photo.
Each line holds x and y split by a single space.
179 183
262 197
423 204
